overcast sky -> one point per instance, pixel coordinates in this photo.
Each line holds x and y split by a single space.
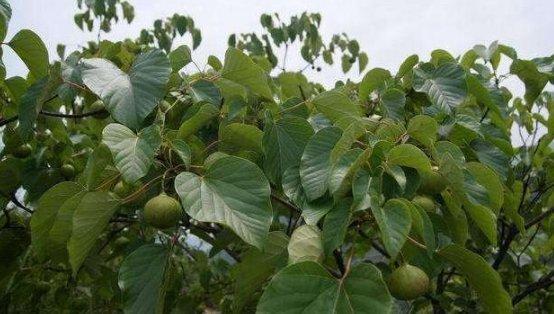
388 31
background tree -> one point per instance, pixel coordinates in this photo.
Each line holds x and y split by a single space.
128 184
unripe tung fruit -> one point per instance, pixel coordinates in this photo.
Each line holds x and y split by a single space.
162 212
408 282
97 106
23 151
68 171
424 201
122 189
431 183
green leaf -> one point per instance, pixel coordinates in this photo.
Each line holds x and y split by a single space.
305 245
231 191
5 17
484 219
363 59
183 150
46 214
141 279
335 226
407 66
32 51
424 129
493 157
258 266
90 218
373 80
336 106
179 57
283 143
423 226
315 164
130 98
100 158
481 277
308 288
31 104
534 80
393 101
214 62
203 116
206 91
408 155
237 137
240 69
132 154
445 85
394 221
59 234
491 182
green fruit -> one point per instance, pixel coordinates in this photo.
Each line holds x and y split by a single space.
408 282
162 211
121 242
97 106
68 171
123 189
424 201
23 151
431 183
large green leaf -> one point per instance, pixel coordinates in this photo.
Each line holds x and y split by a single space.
204 90
534 80
141 279
179 57
315 164
237 137
32 51
408 155
90 218
131 97
47 212
374 80
305 245
5 16
240 69
484 219
335 226
491 182
231 191
424 129
445 85
481 277
59 234
258 266
336 106
394 221
100 158
283 144
308 288
492 156
392 102
133 154
203 116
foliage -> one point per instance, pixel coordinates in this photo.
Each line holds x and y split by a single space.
294 197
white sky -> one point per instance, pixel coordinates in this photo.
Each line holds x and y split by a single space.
388 30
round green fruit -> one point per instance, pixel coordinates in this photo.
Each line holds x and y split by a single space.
99 106
424 201
408 282
121 242
23 151
123 189
68 171
162 211
432 183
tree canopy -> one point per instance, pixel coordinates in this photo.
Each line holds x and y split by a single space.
135 178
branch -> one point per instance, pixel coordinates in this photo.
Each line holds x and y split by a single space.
77 115
543 283
8 120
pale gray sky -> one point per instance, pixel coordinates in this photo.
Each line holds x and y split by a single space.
388 31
